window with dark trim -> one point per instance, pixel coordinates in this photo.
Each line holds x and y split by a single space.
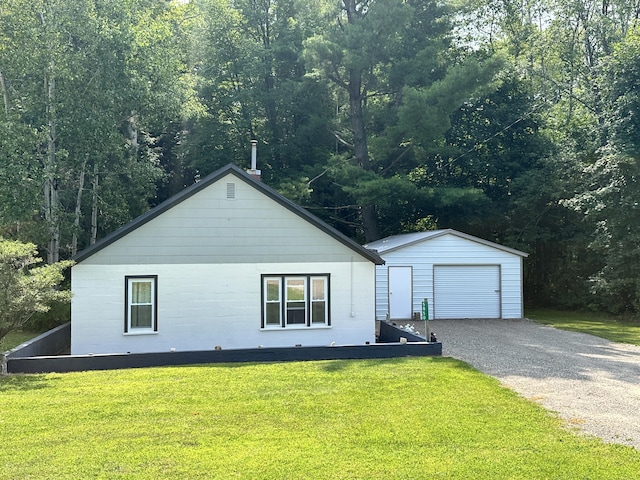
141 304
295 301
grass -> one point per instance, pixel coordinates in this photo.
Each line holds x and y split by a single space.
15 338
359 419
600 325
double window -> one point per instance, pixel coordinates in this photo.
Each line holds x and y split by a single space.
295 301
141 314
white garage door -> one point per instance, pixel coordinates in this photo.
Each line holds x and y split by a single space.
466 291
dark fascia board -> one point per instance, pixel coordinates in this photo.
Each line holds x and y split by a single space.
450 231
209 180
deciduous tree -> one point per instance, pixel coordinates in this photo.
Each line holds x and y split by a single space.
25 288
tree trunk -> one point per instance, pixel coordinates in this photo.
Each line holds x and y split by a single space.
370 228
51 199
5 93
78 210
368 213
94 205
356 116
132 130
357 96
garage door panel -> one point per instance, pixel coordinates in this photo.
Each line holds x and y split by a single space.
466 291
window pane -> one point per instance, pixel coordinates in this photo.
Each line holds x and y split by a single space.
141 316
318 312
273 314
273 290
295 289
296 313
317 289
141 292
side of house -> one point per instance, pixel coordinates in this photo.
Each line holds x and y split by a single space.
461 276
228 263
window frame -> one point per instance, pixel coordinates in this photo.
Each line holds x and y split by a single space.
266 301
283 300
128 281
294 306
324 300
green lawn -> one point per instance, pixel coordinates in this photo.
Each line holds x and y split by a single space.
600 325
360 419
13 339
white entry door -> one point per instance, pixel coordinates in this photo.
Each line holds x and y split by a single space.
466 291
400 293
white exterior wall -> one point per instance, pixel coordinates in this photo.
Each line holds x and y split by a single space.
201 306
209 228
450 250
208 253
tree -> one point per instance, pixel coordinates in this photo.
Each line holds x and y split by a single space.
349 55
563 50
253 84
399 77
26 289
611 198
20 188
88 88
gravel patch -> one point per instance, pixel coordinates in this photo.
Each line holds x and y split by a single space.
592 383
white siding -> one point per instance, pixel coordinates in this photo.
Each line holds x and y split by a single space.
450 249
201 306
210 228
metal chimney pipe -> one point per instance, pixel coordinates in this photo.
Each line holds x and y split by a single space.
254 154
253 171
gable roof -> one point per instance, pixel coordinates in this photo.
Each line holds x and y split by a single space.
396 242
209 180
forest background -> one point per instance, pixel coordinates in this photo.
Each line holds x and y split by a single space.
514 120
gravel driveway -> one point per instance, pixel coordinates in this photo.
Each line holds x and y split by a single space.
592 383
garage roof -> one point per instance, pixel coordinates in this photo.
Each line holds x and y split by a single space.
395 242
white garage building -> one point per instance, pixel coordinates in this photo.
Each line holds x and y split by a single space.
462 276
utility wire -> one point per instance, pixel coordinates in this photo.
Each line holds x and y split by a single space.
487 140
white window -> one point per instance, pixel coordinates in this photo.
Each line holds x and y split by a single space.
272 302
295 301
319 294
142 304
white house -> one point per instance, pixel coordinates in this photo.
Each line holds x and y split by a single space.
226 263
460 275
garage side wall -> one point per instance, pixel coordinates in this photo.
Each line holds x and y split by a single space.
449 250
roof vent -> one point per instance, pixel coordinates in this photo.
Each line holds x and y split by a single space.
231 191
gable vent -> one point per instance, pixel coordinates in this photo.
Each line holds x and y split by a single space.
231 191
